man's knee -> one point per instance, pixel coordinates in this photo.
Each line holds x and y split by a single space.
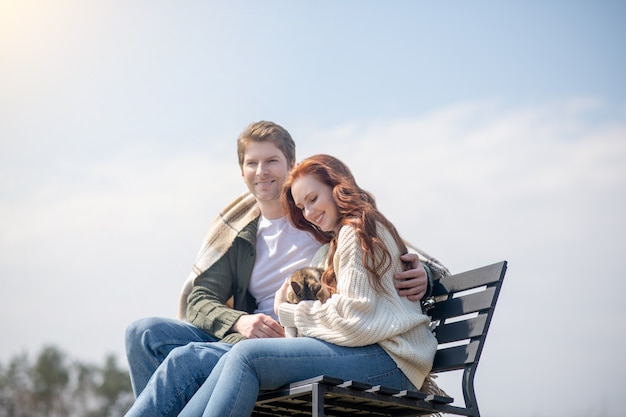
198 357
136 331
156 327
187 358
152 336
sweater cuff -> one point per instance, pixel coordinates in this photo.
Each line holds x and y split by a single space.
286 313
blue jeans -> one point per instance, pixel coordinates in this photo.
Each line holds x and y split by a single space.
169 360
265 364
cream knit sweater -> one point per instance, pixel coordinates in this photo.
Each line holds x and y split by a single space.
359 315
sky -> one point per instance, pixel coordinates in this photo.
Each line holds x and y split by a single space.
487 131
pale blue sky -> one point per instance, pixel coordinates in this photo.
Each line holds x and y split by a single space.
487 131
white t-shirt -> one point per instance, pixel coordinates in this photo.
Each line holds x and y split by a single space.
280 250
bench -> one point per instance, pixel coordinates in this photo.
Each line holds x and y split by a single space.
462 311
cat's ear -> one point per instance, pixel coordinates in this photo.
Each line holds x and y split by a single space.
296 287
321 294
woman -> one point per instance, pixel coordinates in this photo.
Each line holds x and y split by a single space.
365 331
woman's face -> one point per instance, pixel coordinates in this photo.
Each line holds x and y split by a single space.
315 199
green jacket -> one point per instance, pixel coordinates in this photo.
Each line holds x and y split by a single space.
228 277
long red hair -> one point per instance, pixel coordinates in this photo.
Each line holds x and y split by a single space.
356 207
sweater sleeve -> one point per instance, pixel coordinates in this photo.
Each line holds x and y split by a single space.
358 314
206 308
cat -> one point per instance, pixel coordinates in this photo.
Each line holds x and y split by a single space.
306 285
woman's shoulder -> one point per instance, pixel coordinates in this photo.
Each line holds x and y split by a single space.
346 237
347 242
320 258
348 231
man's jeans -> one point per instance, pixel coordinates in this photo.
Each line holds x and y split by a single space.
168 360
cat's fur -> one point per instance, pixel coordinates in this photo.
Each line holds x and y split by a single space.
306 285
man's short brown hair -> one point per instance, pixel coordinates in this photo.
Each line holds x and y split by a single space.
267 131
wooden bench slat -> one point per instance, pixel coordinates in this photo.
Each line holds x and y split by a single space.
359 386
324 379
461 330
468 280
470 303
414 395
439 399
381 389
455 357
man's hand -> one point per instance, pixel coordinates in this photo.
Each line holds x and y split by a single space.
257 326
412 283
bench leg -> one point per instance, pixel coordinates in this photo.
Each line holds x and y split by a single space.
317 400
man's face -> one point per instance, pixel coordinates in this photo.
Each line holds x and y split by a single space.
264 170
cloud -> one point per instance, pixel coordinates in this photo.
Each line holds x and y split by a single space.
481 159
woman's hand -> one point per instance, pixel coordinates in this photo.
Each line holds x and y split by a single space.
281 296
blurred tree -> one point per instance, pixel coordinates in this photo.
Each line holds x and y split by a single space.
16 388
84 390
53 386
50 377
115 388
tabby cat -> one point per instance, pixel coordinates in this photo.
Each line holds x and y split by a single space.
306 285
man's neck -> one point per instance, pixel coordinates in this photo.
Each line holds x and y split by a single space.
271 210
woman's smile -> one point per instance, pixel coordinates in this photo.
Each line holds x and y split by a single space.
317 220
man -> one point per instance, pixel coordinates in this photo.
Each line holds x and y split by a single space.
248 253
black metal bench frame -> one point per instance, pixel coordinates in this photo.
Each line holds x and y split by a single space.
463 308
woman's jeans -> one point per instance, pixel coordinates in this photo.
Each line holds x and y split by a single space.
265 364
169 360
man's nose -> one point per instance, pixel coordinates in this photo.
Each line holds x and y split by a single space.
261 168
